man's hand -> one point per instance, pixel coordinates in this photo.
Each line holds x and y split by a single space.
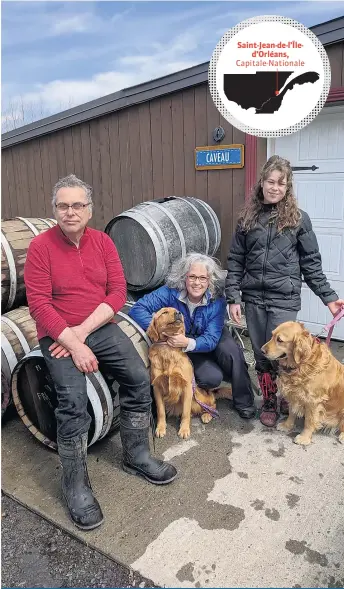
84 359
59 351
235 313
177 341
336 306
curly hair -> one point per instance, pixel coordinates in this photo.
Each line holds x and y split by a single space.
180 268
287 212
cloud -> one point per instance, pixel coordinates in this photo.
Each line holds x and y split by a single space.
96 48
78 23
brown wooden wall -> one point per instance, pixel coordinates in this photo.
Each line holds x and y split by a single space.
140 153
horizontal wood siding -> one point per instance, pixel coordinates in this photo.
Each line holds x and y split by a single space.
140 153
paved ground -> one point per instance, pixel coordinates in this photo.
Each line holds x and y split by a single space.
35 553
249 507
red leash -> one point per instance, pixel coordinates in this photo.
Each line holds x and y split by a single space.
330 326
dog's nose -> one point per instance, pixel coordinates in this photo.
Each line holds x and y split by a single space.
178 316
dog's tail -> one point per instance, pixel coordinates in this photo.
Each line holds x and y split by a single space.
223 392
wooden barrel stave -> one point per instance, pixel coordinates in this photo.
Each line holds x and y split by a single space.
152 235
18 337
16 235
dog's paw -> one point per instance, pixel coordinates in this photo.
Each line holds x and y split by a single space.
302 440
206 417
184 432
282 426
341 437
160 431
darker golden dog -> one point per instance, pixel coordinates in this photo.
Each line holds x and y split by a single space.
310 378
172 376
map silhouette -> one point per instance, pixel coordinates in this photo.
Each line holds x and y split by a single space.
259 90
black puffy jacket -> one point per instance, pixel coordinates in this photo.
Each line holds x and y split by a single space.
267 267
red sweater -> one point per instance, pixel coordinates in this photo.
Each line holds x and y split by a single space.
65 284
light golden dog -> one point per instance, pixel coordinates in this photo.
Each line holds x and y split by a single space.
172 376
310 378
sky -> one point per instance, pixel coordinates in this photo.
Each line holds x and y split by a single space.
56 55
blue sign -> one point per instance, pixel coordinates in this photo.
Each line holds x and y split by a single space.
219 158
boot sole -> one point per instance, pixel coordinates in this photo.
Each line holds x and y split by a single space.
88 528
139 474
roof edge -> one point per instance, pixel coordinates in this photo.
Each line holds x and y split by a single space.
329 32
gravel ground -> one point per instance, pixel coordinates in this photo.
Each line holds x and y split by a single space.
35 553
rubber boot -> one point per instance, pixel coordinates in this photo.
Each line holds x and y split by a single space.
134 430
268 413
83 507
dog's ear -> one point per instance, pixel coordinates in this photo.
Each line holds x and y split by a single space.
302 347
152 331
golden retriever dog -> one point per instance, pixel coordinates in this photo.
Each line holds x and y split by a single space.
310 378
172 376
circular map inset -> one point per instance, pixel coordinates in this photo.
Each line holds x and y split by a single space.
269 76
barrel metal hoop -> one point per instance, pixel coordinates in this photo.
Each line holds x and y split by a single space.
161 268
174 223
134 324
12 269
23 341
49 222
34 229
185 199
215 221
102 389
9 353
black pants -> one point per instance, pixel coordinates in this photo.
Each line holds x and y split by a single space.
261 321
226 362
116 355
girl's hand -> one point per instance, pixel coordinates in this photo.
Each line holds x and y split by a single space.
235 313
336 306
177 341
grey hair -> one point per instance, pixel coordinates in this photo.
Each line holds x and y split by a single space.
70 182
180 268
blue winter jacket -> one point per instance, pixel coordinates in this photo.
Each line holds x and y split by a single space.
205 325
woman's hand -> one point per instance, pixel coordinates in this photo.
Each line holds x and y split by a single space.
177 341
235 313
335 306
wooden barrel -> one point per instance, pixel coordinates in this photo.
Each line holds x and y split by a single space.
18 337
152 235
133 296
16 235
35 397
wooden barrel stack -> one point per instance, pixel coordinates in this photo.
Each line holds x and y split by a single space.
152 235
35 399
18 330
149 238
16 235
18 337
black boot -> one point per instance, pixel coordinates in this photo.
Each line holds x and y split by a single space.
83 507
134 429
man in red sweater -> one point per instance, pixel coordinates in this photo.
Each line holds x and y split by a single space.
75 284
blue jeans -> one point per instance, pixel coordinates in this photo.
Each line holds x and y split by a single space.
117 356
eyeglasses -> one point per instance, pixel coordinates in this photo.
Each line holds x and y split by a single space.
202 279
76 206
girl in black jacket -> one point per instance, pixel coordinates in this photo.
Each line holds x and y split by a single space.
273 247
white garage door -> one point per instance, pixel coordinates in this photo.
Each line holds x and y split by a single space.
321 194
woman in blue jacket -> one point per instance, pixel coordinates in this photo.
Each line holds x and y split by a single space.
195 288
